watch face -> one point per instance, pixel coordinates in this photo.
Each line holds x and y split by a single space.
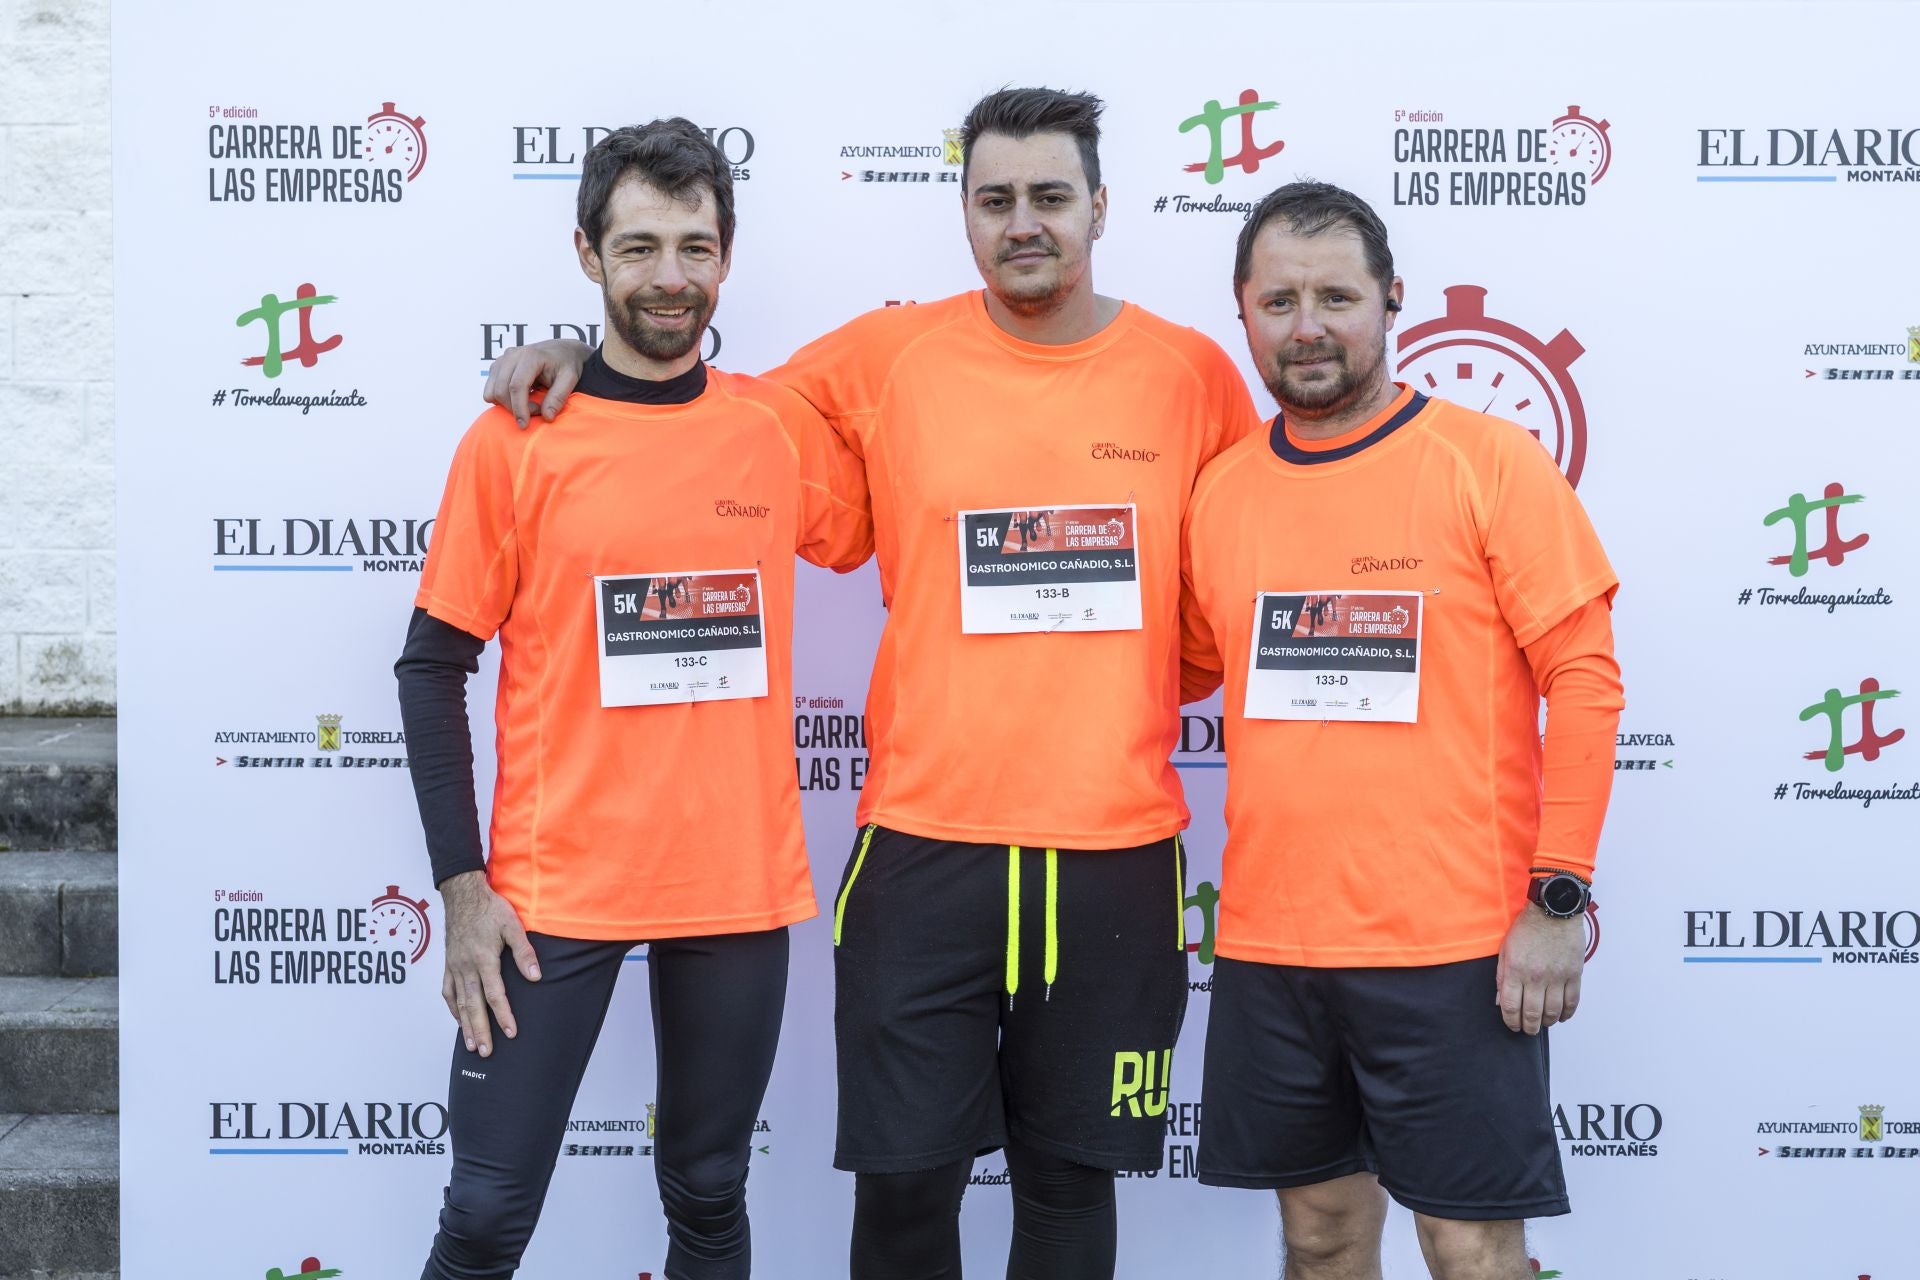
1562 895
1575 145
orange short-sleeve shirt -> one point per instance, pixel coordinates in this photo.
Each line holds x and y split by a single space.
640 821
1057 739
1357 844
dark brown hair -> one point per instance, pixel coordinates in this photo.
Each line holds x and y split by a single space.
673 155
1308 208
1021 113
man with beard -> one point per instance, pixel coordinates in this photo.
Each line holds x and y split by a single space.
1380 995
1010 960
640 795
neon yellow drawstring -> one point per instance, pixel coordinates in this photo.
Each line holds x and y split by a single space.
1053 918
1179 890
840 907
1013 919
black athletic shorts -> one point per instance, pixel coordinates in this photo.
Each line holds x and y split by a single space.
1313 1074
987 992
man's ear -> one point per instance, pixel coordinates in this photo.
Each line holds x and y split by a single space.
589 257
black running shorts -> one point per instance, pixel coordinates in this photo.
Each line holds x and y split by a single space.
988 992
1409 1073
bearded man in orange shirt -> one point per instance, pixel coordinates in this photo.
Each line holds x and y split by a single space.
645 788
1388 585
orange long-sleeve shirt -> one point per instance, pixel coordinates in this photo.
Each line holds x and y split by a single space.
1405 842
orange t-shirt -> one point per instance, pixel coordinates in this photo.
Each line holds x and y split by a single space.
641 821
1043 739
1357 844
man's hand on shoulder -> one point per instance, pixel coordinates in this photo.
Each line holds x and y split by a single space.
554 364
480 925
1537 982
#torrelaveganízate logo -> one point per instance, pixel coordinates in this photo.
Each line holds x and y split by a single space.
1213 118
306 351
1835 706
1796 512
310 1269
1211 123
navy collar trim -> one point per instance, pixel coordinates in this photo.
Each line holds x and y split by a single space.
1288 451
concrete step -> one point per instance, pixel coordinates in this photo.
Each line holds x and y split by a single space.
59 1046
57 783
59 1196
59 914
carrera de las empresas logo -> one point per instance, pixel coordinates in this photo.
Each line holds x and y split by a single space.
1472 162
260 940
258 156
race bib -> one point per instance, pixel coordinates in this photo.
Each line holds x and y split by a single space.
680 637
1049 569
1335 655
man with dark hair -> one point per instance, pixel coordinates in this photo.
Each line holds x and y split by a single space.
1010 960
641 796
1380 995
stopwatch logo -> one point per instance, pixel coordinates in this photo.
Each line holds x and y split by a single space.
400 921
394 138
1579 142
1499 368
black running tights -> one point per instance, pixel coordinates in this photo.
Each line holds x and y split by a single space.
717 1003
906 1226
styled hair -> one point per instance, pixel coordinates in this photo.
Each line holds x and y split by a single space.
1308 208
674 156
1021 113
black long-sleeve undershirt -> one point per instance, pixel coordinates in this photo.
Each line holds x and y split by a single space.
438 657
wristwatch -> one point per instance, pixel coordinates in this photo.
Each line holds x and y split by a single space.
1560 894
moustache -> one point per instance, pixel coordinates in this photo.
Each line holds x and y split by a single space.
1295 357
1049 248
690 297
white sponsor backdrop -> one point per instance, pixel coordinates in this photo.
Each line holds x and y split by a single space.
267 564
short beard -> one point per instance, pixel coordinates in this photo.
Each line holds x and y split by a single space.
1039 301
660 344
1034 305
1330 398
